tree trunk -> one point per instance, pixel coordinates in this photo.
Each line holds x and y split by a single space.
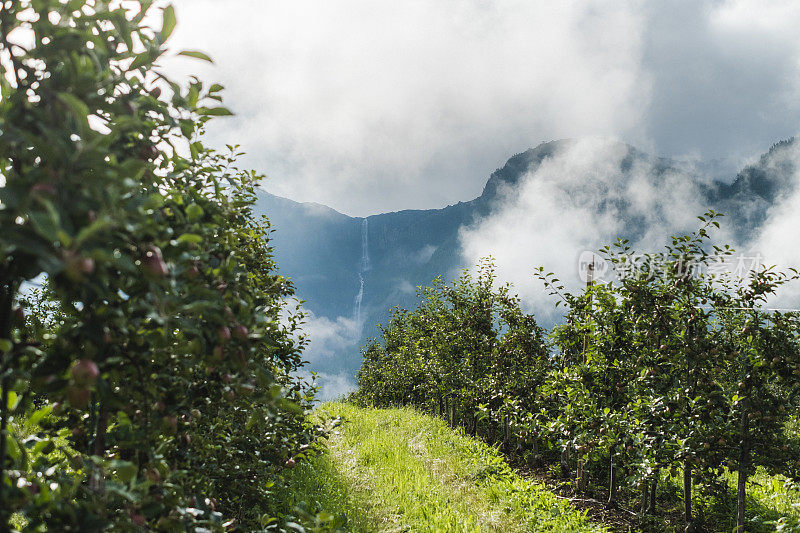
506 436
612 481
687 496
651 508
582 480
565 461
744 464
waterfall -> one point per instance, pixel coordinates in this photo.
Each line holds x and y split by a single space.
363 267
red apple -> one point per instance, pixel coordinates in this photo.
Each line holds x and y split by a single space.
290 462
138 519
240 332
224 334
192 271
152 474
84 372
153 262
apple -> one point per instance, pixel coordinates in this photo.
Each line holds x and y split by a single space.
76 267
290 462
153 262
192 271
138 519
224 334
84 372
240 332
152 474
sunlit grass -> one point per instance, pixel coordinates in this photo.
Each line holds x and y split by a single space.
410 472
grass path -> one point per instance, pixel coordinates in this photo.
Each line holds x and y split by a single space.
398 470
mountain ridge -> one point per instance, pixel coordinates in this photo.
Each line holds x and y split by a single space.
321 250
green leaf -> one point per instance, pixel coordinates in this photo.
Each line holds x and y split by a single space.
90 230
13 400
169 22
44 447
154 201
195 54
45 226
126 471
13 447
194 212
37 416
214 112
75 105
140 61
190 238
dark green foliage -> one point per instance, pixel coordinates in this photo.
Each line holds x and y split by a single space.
672 368
468 352
151 384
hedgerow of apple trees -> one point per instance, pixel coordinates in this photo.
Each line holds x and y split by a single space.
150 386
671 368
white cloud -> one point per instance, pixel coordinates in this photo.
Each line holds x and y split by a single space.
356 104
572 203
777 241
329 337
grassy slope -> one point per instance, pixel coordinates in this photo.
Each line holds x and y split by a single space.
399 470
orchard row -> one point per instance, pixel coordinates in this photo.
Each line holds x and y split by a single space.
678 372
150 383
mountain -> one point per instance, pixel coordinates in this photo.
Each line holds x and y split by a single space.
351 271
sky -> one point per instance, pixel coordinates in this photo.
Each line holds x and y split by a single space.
375 106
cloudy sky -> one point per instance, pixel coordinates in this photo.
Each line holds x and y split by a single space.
371 106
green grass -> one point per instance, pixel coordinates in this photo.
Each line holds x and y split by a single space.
769 498
398 470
